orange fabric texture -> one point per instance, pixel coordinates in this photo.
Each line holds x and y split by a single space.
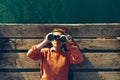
56 64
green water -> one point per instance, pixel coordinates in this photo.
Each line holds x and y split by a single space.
59 11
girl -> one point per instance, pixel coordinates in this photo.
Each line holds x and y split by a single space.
56 59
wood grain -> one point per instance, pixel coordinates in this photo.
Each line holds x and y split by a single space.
92 61
76 30
87 36
22 44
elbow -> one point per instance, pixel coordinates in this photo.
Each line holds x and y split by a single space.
81 60
78 60
29 53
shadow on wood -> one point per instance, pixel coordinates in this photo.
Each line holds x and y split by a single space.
9 61
80 75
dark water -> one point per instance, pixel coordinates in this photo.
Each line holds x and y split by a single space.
59 11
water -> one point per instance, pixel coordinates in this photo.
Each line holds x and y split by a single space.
59 11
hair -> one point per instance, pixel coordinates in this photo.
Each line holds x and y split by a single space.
58 30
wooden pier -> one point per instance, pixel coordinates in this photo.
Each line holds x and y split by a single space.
99 43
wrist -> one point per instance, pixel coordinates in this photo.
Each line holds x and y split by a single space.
42 44
45 41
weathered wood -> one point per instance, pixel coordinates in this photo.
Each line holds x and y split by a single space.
20 44
97 76
76 30
92 61
20 76
100 60
76 76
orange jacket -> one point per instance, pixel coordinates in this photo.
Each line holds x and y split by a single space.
55 65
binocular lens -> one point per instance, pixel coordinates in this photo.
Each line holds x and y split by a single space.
50 37
63 39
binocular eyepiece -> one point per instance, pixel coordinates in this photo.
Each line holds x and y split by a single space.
62 38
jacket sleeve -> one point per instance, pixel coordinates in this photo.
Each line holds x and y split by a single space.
75 55
34 53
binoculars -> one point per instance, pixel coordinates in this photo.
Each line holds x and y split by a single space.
52 37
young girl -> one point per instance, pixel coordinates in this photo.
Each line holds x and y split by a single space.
56 59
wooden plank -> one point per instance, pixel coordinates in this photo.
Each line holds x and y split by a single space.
75 76
109 75
20 76
97 76
92 61
76 30
20 44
